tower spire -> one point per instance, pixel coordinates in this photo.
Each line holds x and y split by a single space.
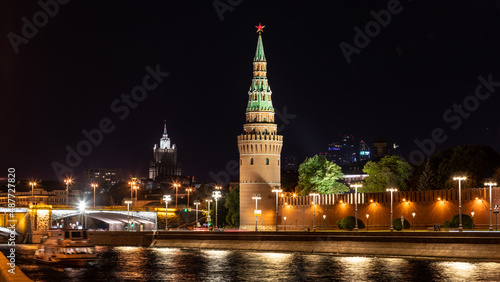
165 128
259 53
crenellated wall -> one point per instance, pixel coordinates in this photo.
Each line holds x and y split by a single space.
430 207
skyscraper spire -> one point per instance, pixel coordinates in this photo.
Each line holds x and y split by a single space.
165 128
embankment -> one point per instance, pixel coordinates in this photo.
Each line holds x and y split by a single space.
466 245
5 275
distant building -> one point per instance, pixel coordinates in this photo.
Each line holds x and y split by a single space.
343 151
291 162
364 151
106 176
43 197
379 148
164 164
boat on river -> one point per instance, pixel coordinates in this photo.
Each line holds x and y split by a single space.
66 247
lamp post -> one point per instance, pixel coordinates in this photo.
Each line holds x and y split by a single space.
460 228
94 185
209 219
188 190
256 197
167 199
392 190
136 187
314 195
472 214
496 216
491 205
413 214
132 183
285 222
176 185
367 216
128 213
216 195
81 208
196 203
32 183
356 204
402 223
324 221
67 181
277 190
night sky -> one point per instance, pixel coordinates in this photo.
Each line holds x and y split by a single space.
66 77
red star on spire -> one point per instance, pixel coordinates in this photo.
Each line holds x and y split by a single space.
260 28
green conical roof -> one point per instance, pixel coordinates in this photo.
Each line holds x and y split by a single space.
259 53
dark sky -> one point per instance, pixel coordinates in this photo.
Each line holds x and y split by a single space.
65 78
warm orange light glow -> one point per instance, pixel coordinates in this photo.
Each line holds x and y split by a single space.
404 200
439 199
295 195
282 195
371 201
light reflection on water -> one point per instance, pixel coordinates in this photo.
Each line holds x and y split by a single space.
167 264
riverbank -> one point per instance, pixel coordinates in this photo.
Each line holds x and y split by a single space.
15 274
466 245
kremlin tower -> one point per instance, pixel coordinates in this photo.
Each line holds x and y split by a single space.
260 149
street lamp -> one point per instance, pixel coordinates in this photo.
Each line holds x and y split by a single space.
356 204
81 208
413 214
367 216
167 199
277 190
176 185
209 219
392 190
324 221
32 183
491 205
460 228
314 195
216 195
128 212
132 183
94 185
256 197
136 187
188 190
285 222
67 181
472 214
196 203
496 216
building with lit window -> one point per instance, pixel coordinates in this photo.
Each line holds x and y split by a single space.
164 164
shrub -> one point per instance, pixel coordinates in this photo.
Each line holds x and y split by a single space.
397 224
455 222
339 223
348 223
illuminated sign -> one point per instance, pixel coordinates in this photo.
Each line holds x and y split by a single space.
364 153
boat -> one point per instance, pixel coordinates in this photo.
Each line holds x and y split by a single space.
66 247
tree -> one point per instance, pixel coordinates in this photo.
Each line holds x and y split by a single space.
349 223
317 174
390 171
426 180
476 162
232 204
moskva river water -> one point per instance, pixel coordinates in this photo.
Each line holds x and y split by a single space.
165 264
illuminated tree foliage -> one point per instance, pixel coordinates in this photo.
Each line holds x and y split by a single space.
390 171
232 205
318 175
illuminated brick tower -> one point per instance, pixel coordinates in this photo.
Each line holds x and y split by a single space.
260 149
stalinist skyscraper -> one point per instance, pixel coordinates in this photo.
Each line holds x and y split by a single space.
260 149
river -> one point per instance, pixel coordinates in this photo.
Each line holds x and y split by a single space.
165 264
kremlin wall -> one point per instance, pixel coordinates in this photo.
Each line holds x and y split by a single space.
430 207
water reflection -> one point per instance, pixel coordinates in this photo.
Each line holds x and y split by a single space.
167 264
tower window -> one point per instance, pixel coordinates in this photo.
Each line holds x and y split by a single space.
251 161
267 161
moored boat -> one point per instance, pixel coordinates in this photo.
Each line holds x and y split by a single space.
66 247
